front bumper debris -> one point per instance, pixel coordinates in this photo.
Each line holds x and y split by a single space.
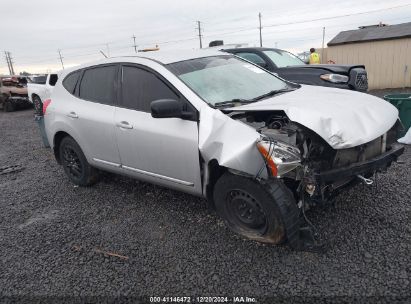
361 168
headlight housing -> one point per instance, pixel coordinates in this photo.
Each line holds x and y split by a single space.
279 157
335 78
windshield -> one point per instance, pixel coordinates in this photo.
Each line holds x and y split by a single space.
283 58
220 79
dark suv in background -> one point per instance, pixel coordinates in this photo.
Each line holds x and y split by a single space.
290 67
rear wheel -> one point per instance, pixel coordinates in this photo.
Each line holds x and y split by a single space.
75 163
255 210
38 105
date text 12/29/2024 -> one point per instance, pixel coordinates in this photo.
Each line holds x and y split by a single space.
239 299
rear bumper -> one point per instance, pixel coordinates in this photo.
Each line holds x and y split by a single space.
368 167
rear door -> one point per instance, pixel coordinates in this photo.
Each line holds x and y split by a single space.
159 150
92 114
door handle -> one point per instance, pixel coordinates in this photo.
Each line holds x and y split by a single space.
124 125
72 115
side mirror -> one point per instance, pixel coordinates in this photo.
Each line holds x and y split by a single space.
169 108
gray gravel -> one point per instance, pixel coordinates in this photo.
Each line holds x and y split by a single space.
127 238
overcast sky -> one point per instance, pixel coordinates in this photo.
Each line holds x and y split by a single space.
33 31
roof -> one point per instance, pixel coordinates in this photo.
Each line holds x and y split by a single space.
162 57
166 57
397 31
250 48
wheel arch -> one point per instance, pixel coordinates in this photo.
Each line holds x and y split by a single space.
35 95
212 172
57 138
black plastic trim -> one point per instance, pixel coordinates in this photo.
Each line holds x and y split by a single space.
368 166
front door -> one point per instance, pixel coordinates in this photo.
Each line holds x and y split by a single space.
159 150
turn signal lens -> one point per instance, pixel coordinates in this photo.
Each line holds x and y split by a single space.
267 156
279 157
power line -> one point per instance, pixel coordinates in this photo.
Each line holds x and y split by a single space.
200 36
340 16
305 21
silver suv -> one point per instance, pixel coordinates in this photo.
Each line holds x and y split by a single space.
260 149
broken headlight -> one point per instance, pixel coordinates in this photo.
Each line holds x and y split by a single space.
279 157
335 78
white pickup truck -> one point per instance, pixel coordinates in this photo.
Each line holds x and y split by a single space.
40 88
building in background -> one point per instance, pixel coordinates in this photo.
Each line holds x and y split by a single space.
385 50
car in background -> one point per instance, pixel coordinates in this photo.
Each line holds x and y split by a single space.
290 67
13 93
40 88
259 148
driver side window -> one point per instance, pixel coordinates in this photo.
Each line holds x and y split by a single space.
140 87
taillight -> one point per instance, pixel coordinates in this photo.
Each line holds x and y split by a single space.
46 103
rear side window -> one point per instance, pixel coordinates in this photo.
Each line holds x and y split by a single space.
53 79
69 83
98 84
141 87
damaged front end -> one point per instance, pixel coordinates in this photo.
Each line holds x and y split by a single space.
311 167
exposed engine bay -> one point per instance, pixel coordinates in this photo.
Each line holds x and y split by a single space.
301 156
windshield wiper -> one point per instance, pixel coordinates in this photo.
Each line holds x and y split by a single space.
232 102
272 93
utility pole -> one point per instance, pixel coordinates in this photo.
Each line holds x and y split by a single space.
199 33
7 60
261 37
9 63
61 59
322 50
135 46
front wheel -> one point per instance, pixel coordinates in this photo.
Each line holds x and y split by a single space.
256 210
75 163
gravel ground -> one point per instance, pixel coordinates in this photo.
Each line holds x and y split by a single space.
127 238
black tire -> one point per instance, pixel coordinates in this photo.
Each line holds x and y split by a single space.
261 211
38 105
75 163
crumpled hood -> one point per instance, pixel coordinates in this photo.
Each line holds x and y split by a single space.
342 118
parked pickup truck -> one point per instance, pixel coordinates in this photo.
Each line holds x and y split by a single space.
40 88
290 67
13 93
